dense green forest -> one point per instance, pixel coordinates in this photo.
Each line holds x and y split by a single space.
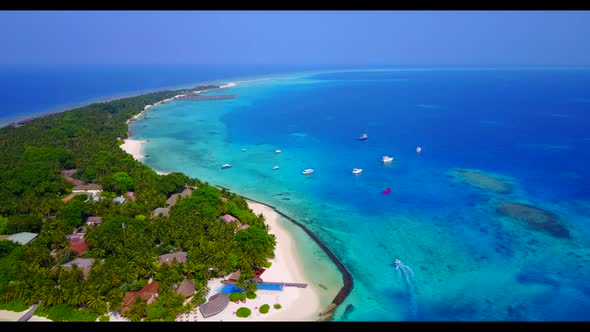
127 243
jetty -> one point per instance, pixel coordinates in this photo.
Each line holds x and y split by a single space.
326 314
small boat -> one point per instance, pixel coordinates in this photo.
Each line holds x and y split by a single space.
386 159
277 151
274 168
243 150
418 149
307 171
386 191
363 137
226 166
357 171
398 262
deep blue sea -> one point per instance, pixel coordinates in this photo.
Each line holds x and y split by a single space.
490 138
28 90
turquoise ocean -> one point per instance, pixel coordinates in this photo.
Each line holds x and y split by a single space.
491 220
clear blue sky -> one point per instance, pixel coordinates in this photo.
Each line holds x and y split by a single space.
296 37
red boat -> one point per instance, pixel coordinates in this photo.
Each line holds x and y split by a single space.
386 191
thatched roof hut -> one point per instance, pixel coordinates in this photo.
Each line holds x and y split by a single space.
186 288
215 305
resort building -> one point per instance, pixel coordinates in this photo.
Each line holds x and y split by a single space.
21 238
78 244
83 263
161 212
171 201
131 196
120 200
215 305
228 218
149 293
179 257
90 189
93 220
186 288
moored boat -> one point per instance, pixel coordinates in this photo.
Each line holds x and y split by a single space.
307 171
226 166
357 171
274 168
363 137
386 159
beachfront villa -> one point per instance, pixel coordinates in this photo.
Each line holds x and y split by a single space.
78 244
215 305
179 257
149 293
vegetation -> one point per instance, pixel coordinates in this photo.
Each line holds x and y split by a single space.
15 305
264 309
243 312
250 295
127 243
277 306
237 296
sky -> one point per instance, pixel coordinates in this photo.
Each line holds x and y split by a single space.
296 37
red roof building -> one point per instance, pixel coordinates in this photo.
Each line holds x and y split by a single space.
149 293
78 244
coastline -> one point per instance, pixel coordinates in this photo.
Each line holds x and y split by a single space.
297 304
14 316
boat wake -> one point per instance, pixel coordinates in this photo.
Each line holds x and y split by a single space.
406 276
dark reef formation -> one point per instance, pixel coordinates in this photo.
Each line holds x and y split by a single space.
534 217
482 180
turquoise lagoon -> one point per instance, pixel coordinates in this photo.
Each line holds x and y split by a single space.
465 257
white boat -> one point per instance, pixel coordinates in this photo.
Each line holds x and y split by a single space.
418 149
277 151
243 150
307 171
225 166
363 137
386 159
357 171
275 168
398 262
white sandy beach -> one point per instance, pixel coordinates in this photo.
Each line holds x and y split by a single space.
134 147
297 304
13 316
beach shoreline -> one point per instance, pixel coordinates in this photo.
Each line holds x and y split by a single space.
297 304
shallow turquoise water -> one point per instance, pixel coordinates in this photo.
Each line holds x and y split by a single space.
469 262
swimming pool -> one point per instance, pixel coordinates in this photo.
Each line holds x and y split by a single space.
226 289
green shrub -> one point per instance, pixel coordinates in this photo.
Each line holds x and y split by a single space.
277 306
251 295
104 318
243 312
264 308
14 305
64 313
237 296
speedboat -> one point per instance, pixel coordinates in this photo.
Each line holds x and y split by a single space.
418 149
243 150
386 191
225 166
386 159
398 262
307 171
357 171
363 137
277 151
274 168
